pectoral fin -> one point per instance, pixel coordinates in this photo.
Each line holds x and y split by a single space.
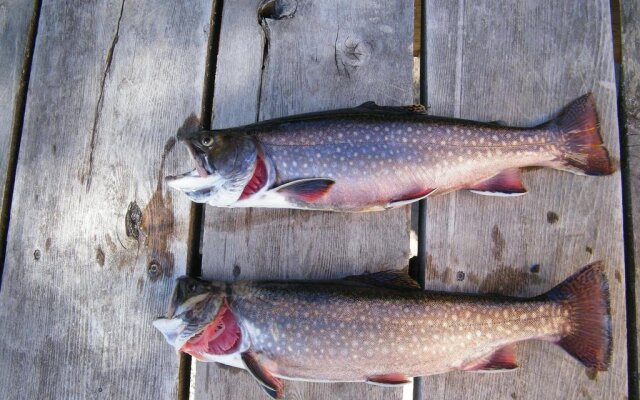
306 190
389 380
271 385
506 183
503 359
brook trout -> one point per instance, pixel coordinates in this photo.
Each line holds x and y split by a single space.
379 328
374 158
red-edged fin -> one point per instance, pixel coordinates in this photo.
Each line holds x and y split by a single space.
272 385
306 190
389 379
257 181
410 198
506 183
503 359
581 143
587 294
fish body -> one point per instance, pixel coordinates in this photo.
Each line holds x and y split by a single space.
382 329
374 158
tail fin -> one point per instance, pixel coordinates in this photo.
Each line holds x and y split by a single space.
587 293
580 141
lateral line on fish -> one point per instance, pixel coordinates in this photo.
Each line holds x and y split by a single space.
497 145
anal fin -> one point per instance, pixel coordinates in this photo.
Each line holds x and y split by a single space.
389 380
271 385
410 198
503 359
506 183
306 190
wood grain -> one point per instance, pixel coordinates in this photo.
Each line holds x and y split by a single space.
15 18
521 62
325 55
95 241
631 97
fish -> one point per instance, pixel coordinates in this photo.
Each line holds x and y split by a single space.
380 328
372 158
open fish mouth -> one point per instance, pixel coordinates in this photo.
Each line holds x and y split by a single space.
198 161
184 321
197 183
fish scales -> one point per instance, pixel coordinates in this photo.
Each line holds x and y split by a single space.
356 335
380 328
374 158
366 156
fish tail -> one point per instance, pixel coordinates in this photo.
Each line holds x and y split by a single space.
587 294
581 146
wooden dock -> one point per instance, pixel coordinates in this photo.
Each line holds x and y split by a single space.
91 241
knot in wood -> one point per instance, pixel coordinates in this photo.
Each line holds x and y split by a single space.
132 220
154 270
351 54
277 9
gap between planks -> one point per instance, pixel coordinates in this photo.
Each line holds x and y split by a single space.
196 224
627 205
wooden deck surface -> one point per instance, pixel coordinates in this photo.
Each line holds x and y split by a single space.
517 62
95 240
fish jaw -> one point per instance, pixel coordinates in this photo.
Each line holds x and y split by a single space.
221 336
205 184
194 305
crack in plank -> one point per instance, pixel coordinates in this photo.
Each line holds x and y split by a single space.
96 113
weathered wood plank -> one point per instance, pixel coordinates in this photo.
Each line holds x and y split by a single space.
631 96
15 19
521 62
327 55
84 277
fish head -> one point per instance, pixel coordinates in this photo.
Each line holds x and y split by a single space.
223 162
194 305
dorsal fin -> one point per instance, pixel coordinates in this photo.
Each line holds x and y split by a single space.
413 109
393 279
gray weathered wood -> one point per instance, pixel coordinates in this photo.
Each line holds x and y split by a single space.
631 96
15 17
111 83
521 62
327 55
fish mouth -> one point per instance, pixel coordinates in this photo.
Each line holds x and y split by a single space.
198 161
186 320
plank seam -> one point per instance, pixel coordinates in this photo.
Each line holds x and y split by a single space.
627 212
196 224
96 113
419 382
265 55
19 109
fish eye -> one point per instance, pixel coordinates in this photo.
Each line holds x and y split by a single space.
206 141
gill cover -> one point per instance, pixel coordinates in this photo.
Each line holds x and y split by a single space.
194 304
224 163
